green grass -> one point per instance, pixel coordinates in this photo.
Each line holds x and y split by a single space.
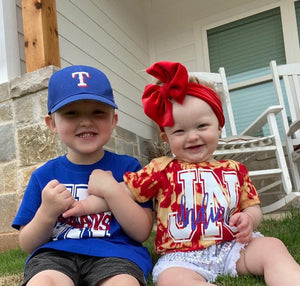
12 262
286 229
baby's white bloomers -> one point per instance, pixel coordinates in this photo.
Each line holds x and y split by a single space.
211 262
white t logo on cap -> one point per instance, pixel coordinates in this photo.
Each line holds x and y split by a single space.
81 77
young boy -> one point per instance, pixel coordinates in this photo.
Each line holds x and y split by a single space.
206 210
102 248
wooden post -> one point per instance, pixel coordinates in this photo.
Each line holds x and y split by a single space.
40 34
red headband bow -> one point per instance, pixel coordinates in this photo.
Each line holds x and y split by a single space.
174 76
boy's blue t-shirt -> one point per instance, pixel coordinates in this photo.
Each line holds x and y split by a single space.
97 234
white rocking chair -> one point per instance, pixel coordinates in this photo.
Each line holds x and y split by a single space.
246 148
290 75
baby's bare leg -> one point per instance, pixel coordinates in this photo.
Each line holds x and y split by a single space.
179 276
269 257
50 278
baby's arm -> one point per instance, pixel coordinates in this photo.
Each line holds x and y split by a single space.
91 205
94 203
135 220
246 221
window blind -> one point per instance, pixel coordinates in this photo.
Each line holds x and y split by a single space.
297 8
247 44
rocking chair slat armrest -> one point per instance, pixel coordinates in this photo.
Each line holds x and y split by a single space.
294 127
257 153
262 119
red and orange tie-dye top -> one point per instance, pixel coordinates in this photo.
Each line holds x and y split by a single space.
194 202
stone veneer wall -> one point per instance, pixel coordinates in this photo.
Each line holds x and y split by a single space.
26 143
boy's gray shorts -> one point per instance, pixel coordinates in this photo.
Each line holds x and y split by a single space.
83 270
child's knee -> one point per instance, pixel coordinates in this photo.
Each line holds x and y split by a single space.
166 278
259 253
178 276
120 280
272 244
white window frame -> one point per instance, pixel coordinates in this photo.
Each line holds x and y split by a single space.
9 45
289 28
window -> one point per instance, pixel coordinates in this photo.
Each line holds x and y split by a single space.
297 8
245 48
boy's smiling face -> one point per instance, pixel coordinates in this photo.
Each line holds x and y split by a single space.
194 136
84 126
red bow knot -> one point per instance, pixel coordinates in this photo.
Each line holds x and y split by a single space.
157 99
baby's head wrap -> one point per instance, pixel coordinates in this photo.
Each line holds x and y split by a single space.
175 85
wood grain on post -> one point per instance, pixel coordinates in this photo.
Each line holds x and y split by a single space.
40 34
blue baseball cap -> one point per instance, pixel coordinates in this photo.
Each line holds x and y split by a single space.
78 82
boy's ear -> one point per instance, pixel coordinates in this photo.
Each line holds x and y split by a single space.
50 122
115 120
164 137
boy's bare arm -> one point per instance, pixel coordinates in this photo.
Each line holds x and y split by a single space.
135 220
55 200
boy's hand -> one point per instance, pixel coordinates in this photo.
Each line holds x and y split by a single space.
244 224
101 182
55 199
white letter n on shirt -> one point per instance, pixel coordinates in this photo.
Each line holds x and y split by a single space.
216 200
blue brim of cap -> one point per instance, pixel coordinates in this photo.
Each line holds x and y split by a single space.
82 96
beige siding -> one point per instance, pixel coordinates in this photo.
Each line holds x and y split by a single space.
113 38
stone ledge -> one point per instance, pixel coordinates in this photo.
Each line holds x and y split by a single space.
31 82
9 240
